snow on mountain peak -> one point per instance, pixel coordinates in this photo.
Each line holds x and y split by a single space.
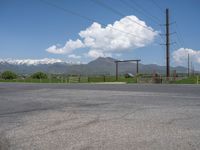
31 61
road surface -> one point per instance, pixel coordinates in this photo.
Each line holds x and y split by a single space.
100 116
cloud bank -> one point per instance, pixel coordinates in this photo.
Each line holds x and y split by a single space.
73 56
68 48
121 36
180 56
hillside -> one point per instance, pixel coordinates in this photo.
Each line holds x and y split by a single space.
96 67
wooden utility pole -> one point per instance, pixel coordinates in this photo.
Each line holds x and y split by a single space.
167 45
116 71
137 67
188 64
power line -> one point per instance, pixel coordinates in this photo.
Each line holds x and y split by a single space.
156 4
141 10
179 43
67 10
86 18
119 13
179 35
155 19
175 46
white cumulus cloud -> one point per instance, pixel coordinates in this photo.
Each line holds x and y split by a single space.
68 48
121 36
97 53
73 56
180 56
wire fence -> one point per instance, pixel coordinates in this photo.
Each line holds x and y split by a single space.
97 79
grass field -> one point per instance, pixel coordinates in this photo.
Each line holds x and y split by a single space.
75 79
97 79
189 80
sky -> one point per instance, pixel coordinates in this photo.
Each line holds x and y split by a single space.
82 30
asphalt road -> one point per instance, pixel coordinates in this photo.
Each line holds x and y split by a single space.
100 116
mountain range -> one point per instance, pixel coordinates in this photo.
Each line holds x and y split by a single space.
99 66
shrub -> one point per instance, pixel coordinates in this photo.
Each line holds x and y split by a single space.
39 75
8 75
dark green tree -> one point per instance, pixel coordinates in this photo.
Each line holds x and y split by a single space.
8 75
39 75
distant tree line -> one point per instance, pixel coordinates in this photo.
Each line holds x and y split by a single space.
39 75
9 75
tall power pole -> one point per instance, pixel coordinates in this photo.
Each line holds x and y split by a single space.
188 64
167 45
116 71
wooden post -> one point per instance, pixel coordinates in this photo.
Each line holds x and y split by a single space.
104 78
137 67
79 79
116 71
174 75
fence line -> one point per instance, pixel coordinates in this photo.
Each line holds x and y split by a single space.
91 79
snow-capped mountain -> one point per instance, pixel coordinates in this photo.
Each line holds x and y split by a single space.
96 67
44 61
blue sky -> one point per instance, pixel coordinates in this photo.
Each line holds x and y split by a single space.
29 27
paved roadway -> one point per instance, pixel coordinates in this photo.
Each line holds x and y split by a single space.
100 116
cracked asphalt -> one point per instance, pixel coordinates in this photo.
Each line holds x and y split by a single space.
100 116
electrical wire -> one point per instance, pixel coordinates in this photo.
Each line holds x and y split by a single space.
156 4
140 9
118 12
86 18
179 35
